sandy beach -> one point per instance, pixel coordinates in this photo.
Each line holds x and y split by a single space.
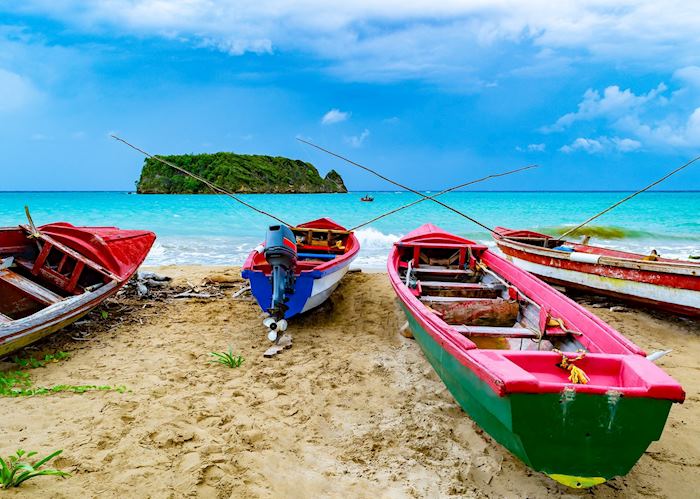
352 410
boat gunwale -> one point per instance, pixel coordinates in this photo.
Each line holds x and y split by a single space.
691 269
468 354
318 271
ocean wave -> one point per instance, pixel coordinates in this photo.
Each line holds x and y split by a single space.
615 232
371 238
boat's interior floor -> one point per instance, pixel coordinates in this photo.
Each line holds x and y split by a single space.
480 305
41 275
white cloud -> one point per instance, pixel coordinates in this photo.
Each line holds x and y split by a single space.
589 145
689 75
394 120
453 41
626 144
613 104
601 144
15 91
670 132
334 116
652 119
357 140
532 148
239 46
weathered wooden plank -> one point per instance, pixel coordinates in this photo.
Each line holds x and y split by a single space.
474 311
30 288
441 270
450 284
461 289
504 332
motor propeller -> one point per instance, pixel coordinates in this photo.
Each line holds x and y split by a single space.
281 253
276 327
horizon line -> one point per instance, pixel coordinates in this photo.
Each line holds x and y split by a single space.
358 191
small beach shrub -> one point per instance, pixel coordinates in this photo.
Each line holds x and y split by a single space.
16 470
19 384
228 358
14 380
32 363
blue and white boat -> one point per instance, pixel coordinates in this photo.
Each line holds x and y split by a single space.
297 268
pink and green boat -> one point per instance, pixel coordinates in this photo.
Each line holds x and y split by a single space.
558 387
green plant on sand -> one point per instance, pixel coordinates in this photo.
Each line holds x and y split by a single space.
228 358
15 470
19 384
33 363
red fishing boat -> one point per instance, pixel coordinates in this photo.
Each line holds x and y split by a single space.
558 387
663 283
53 275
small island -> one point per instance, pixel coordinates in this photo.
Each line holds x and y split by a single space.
240 173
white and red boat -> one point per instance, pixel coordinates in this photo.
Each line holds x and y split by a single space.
54 275
662 283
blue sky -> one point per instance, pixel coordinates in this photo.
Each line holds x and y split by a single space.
602 95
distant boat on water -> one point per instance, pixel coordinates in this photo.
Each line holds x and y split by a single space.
367 198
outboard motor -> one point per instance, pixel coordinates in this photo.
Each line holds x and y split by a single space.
281 253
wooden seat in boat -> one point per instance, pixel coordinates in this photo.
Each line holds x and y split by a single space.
474 311
441 270
449 299
29 287
450 284
504 332
4 318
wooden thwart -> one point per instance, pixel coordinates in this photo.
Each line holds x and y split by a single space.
504 332
448 299
474 311
441 270
464 285
29 288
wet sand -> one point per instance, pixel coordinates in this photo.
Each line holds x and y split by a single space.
352 410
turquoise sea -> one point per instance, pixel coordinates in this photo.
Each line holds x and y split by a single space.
213 229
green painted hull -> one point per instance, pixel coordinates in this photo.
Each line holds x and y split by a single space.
576 435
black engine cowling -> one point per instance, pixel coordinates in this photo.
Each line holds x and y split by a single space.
281 253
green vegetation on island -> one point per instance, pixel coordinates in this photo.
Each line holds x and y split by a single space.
241 173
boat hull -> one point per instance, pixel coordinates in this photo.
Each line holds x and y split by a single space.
112 256
26 331
677 294
580 442
311 288
315 277
581 427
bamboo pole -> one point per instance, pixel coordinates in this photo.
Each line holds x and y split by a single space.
428 198
629 197
399 185
212 186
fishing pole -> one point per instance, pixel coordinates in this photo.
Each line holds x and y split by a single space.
443 192
398 184
630 197
211 185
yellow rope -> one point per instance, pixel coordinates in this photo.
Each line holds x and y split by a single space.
557 322
576 374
